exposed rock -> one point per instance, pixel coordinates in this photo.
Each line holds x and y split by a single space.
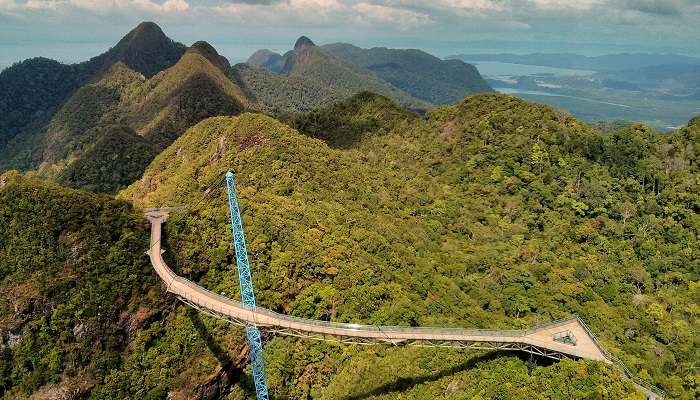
9 340
630 333
638 299
254 140
132 322
79 331
4 178
71 388
220 151
452 388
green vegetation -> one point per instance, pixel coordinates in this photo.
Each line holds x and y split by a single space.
116 159
145 49
310 77
106 133
50 112
72 269
491 213
345 123
81 312
284 95
34 88
416 72
32 91
267 59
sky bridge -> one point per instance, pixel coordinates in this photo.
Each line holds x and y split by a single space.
565 338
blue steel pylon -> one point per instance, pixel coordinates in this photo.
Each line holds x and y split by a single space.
247 293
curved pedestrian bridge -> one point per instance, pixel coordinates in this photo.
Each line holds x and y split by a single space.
566 338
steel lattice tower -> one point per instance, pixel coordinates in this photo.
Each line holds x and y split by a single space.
247 294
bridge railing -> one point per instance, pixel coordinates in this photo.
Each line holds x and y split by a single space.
287 321
282 318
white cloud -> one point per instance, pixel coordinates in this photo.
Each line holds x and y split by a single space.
168 6
473 5
374 13
559 5
534 20
7 5
99 7
307 12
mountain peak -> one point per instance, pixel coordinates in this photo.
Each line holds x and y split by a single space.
147 28
208 51
205 47
303 42
145 49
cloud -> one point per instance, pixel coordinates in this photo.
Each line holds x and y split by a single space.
375 13
7 5
657 7
275 14
259 2
99 7
563 5
472 5
408 21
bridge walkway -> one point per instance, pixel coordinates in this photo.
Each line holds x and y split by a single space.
566 338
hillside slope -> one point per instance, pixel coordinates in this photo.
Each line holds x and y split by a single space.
492 213
146 115
281 95
82 315
309 76
267 59
145 49
416 72
32 91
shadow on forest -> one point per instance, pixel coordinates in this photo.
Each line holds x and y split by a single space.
231 371
220 354
403 384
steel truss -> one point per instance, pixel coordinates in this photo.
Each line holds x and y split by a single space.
247 293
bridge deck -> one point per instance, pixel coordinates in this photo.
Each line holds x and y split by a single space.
538 340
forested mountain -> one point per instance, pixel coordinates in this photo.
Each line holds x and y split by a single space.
145 49
267 59
491 213
308 67
82 315
33 90
416 72
106 133
285 95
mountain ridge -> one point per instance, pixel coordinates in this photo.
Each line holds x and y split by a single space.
492 213
44 86
133 116
416 72
145 49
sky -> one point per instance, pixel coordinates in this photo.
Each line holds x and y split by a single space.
74 30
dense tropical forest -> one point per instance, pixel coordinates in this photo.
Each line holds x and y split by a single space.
491 212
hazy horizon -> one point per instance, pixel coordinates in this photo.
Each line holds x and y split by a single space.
75 30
